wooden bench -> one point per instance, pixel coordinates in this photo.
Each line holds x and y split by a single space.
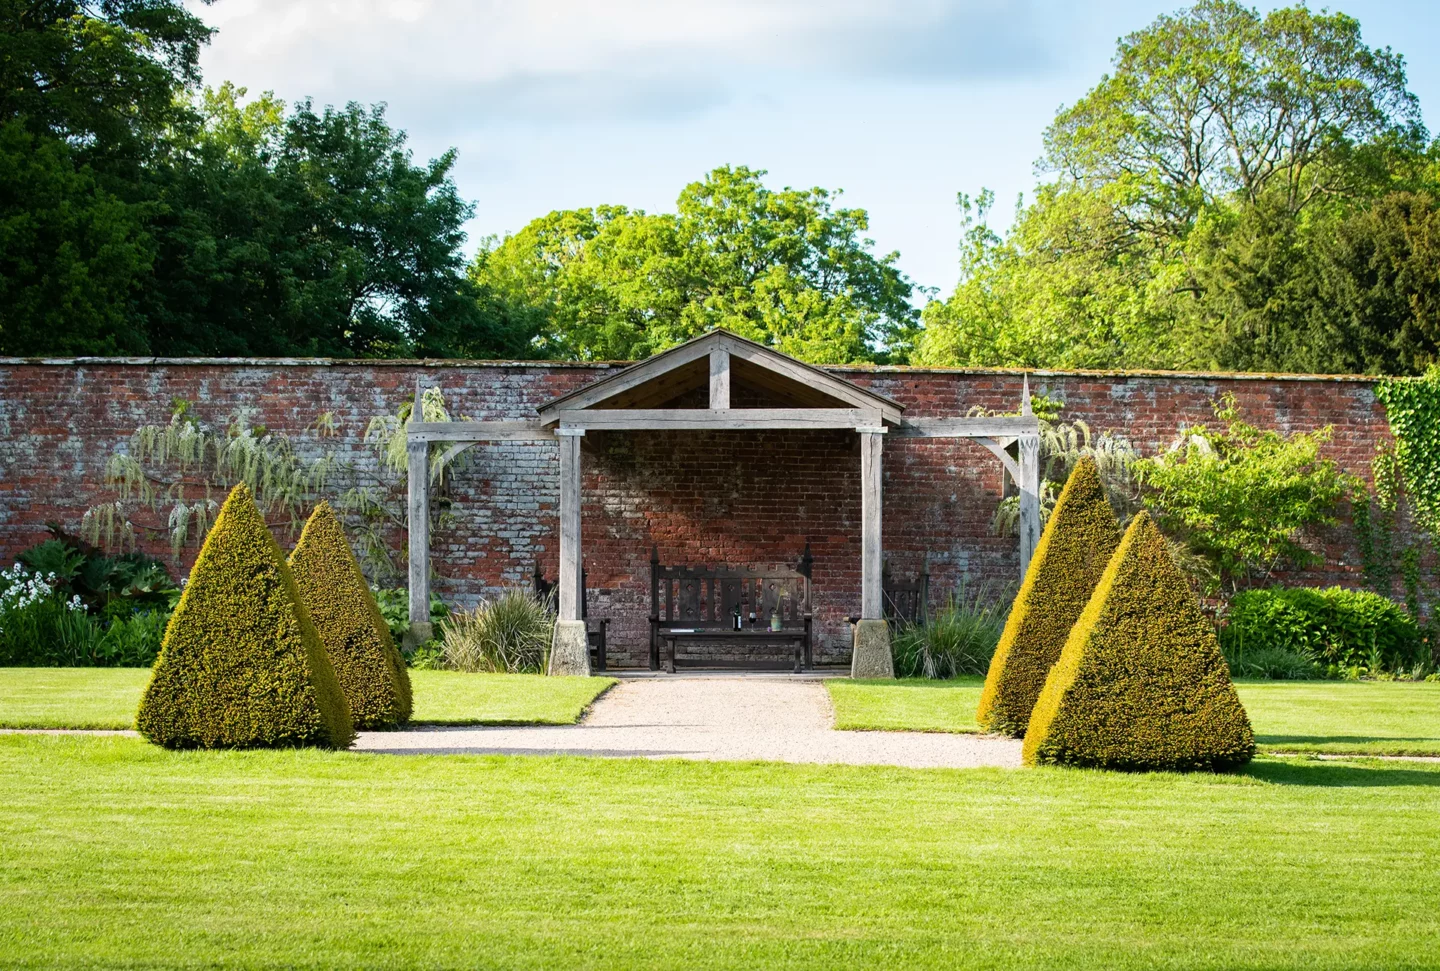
699 604
595 636
906 602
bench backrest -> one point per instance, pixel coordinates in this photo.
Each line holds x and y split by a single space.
706 596
549 590
907 601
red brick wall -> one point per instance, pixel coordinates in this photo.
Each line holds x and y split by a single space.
699 497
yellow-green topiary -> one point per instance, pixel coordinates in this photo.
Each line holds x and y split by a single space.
241 665
371 671
1141 683
1071 555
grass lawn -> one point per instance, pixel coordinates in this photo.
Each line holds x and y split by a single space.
114 853
1370 717
1374 717
910 704
107 697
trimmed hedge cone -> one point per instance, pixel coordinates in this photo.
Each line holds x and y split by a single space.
1069 559
370 670
241 665
1141 683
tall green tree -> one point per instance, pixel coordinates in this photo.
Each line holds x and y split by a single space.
312 232
786 268
86 91
1196 192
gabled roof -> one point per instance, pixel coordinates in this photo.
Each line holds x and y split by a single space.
663 377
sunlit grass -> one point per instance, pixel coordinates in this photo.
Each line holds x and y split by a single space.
1366 717
108 697
114 853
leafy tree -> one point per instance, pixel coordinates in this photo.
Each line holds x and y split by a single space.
1243 496
308 234
71 254
1217 101
1210 209
784 268
86 89
102 76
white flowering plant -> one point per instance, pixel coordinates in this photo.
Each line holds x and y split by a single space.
39 624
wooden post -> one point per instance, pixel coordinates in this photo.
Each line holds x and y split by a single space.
570 523
1029 499
871 551
419 522
1029 448
719 378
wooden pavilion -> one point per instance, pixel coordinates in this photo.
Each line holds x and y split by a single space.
643 399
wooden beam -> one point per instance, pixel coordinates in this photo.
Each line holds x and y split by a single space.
811 376
999 447
478 431
630 377
1007 427
1029 483
418 508
570 556
719 378
872 557
716 419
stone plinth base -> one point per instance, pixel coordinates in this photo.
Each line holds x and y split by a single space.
419 633
570 649
872 651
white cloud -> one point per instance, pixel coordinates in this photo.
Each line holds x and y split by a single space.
632 58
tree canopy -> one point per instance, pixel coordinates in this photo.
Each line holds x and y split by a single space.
786 268
1242 191
140 213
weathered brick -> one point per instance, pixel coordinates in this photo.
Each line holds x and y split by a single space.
742 498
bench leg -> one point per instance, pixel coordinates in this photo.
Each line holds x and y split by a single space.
799 651
670 655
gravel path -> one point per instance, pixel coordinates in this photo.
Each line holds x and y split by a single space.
721 719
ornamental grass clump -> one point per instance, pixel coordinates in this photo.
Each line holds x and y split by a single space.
1068 561
1141 683
508 634
370 670
241 665
958 639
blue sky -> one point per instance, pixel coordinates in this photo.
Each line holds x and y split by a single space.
556 104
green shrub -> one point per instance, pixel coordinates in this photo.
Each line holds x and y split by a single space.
394 604
39 625
1242 496
109 586
957 639
1275 663
242 665
133 641
508 634
1068 561
1334 626
370 669
1141 683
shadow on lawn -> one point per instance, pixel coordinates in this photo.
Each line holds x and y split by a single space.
1338 739
1341 774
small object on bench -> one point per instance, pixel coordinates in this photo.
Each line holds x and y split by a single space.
701 604
906 602
595 636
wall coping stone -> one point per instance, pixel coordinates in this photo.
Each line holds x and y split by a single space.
456 363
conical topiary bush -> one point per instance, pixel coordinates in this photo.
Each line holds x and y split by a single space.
371 672
1141 683
1072 553
241 665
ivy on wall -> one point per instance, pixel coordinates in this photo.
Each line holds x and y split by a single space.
1413 408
